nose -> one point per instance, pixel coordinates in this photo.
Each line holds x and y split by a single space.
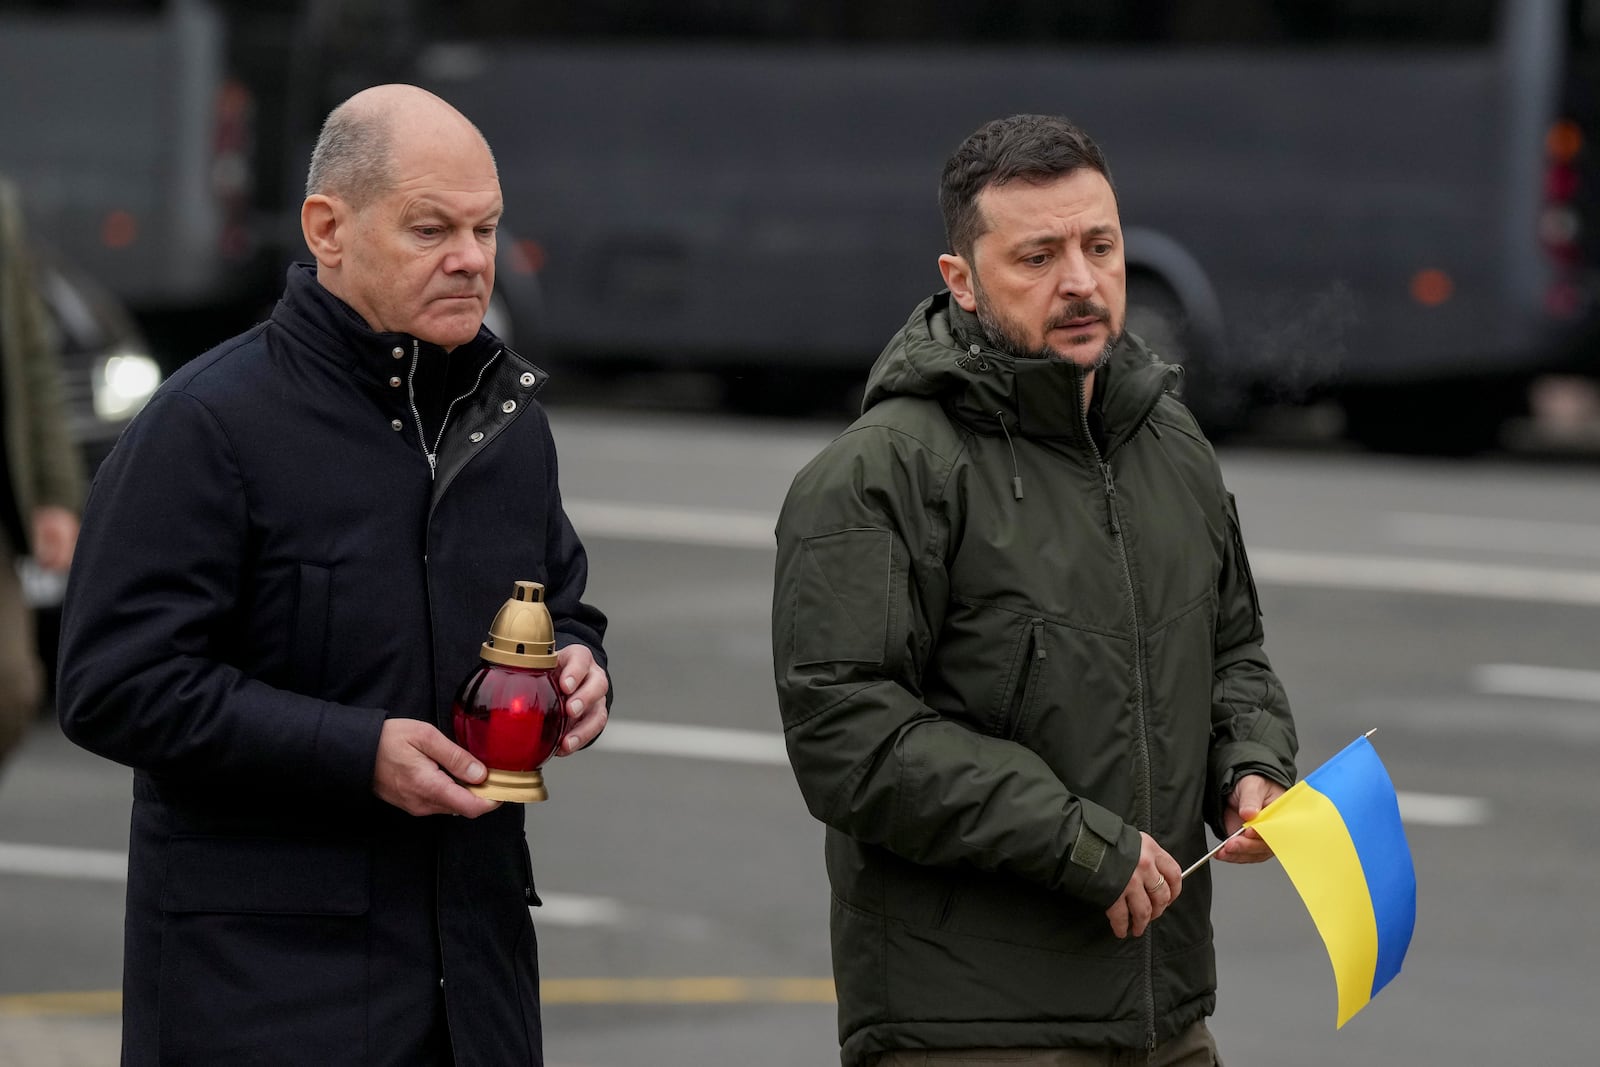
469 255
1075 278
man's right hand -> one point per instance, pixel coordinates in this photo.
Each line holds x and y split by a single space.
1155 884
417 769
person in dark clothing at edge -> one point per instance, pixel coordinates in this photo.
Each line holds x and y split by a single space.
287 563
1018 652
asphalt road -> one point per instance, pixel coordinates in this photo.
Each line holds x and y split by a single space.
1453 606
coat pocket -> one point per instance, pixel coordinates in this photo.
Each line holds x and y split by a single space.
264 951
308 643
1020 707
841 597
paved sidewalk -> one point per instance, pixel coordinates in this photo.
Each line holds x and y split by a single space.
59 1040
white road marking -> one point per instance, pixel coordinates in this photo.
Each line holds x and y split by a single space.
694 742
1271 566
50 861
1390 574
1533 536
1524 680
753 746
693 526
106 865
1438 809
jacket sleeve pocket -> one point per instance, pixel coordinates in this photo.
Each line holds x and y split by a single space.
841 597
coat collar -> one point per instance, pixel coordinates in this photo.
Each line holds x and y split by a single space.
943 353
331 328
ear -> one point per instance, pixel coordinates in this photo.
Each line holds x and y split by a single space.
958 277
322 220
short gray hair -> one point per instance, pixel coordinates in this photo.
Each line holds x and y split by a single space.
353 157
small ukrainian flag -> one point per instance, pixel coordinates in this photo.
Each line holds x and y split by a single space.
1338 835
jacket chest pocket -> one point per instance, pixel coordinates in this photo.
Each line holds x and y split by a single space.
264 951
1026 679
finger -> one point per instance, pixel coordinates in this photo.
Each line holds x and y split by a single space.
448 797
1139 911
456 761
594 687
1243 851
1118 914
583 730
576 662
1164 890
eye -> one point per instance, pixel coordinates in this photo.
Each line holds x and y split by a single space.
1038 259
486 231
427 231
1102 248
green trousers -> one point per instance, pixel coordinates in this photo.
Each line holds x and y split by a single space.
1192 1048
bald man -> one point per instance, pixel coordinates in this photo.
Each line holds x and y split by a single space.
286 566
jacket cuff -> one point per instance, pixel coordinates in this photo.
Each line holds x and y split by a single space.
1102 857
345 752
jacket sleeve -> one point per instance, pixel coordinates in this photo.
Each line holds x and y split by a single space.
55 470
158 578
1252 729
859 598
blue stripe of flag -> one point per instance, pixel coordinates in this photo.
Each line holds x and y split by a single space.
1359 787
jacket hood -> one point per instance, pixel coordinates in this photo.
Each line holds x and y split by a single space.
942 354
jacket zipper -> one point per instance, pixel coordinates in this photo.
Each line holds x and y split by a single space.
411 394
1145 813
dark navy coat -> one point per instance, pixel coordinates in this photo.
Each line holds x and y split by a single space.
268 569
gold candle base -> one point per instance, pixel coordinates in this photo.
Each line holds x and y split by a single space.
517 787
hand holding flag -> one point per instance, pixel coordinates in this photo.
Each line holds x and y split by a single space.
1338 835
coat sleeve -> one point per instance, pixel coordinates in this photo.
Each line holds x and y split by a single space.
859 597
158 577
55 469
1252 729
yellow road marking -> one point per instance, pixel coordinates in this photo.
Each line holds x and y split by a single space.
655 991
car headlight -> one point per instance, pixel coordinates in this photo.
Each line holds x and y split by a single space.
122 384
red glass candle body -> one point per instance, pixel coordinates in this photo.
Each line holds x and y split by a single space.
511 718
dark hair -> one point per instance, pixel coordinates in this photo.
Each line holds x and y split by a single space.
1034 148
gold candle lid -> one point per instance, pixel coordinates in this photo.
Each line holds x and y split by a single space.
522 634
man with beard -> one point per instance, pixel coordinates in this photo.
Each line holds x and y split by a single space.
1019 653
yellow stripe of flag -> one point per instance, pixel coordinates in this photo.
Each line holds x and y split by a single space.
1309 837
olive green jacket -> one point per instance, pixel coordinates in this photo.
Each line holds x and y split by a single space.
1000 653
43 465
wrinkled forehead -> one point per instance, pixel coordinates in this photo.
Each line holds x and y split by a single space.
1071 204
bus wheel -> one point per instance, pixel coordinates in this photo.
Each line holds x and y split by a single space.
1156 316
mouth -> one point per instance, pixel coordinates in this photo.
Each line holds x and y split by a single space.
1080 324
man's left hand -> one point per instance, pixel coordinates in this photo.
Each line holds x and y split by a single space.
55 535
584 683
1250 794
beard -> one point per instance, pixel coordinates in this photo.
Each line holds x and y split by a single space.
1007 337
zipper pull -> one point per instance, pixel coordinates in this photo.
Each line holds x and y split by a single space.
1038 640
433 465
1111 500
